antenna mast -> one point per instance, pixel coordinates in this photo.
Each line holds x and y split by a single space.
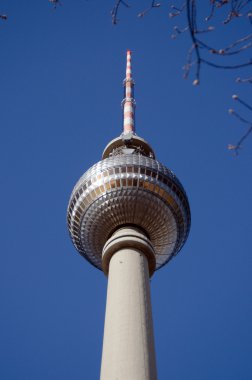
128 102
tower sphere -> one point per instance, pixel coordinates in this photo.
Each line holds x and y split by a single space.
128 187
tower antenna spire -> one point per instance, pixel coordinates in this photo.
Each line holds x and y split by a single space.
128 102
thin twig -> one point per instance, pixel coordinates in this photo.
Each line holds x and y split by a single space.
152 5
55 3
237 147
115 9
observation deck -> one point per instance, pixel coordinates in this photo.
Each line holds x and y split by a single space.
128 188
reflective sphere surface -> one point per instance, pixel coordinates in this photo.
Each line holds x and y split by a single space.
128 189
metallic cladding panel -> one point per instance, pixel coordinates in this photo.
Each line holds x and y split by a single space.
128 189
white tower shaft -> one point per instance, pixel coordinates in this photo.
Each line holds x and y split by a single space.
128 345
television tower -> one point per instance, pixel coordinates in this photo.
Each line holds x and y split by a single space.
128 215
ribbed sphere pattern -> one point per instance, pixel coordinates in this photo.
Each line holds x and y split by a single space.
128 189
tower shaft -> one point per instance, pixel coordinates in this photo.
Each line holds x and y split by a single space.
128 345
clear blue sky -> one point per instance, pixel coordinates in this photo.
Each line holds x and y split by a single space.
61 78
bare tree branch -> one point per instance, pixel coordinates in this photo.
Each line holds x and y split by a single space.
152 5
245 80
196 56
235 148
115 10
55 3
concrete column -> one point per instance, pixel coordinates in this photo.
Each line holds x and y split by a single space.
128 343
